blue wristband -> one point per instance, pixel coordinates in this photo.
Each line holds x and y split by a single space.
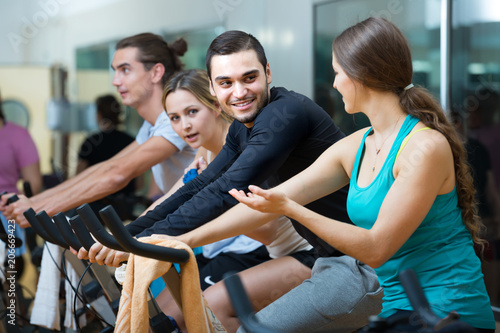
190 175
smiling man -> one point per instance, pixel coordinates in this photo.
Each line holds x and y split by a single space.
243 98
142 64
276 134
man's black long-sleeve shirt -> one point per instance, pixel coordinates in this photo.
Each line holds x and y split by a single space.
287 136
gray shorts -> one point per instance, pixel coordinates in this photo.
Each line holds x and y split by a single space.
340 296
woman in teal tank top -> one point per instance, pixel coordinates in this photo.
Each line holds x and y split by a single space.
411 194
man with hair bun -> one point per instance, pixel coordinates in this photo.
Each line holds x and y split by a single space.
142 64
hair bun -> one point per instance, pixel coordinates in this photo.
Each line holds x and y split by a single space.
179 47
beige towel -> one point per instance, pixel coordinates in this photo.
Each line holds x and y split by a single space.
133 311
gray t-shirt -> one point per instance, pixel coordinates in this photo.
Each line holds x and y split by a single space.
167 172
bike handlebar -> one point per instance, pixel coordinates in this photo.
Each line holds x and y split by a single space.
242 306
97 228
67 233
30 215
51 229
81 232
417 297
27 189
421 306
3 233
12 198
132 245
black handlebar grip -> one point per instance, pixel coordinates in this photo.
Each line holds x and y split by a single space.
81 232
51 229
67 233
417 297
242 306
12 199
97 228
115 225
27 189
30 215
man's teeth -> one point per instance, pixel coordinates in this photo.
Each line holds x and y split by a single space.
243 104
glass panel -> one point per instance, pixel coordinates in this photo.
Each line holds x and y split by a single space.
419 21
475 86
95 57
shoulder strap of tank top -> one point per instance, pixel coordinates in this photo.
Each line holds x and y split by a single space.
354 173
405 141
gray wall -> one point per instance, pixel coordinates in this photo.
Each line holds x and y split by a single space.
47 32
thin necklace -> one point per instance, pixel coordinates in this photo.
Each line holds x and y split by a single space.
377 150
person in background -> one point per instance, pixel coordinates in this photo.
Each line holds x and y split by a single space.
102 146
142 64
109 141
19 160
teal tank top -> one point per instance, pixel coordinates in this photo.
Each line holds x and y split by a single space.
440 251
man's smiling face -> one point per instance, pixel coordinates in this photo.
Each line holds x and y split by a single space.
241 85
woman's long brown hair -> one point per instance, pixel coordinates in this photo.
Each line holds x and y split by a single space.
375 53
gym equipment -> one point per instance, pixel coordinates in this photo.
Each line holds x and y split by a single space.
16 112
159 322
3 233
123 237
93 289
11 290
242 306
109 287
428 321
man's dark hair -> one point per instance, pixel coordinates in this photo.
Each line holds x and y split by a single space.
234 41
153 50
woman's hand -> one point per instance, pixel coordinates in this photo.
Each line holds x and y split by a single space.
116 258
199 164
266 201
103 255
